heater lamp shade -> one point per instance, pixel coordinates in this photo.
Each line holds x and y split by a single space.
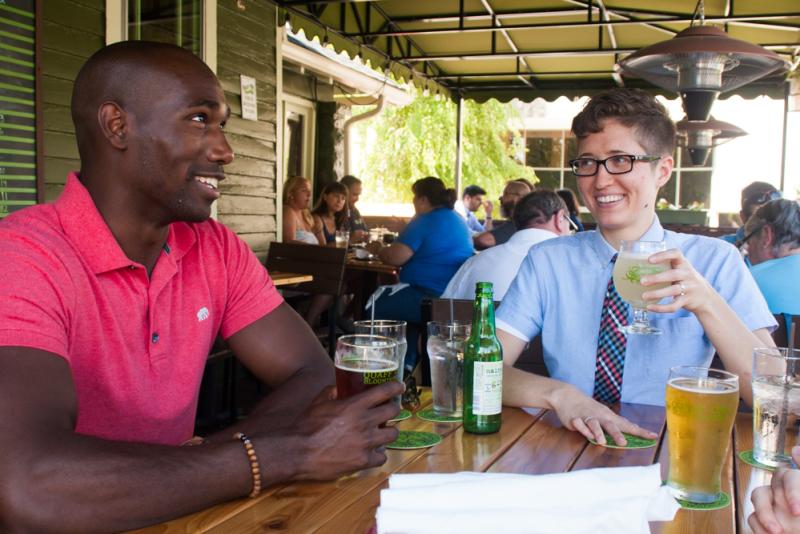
702 58
699 137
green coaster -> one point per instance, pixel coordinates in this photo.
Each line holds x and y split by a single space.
412 439
723 502
634 442
748 458
430 415
404 414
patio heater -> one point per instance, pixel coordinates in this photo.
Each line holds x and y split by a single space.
701 62
699 137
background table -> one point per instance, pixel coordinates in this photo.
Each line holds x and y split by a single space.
533 443
280 278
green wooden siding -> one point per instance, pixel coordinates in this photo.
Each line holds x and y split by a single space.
71 31
246 45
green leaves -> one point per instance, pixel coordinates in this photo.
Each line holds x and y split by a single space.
405 144
635 272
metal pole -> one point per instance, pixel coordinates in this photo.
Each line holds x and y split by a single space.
786 92
459 141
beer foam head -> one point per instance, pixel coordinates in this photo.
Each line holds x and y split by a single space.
703 385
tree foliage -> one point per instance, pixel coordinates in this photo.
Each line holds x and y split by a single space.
418 140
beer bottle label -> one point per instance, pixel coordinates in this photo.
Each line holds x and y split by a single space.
487 388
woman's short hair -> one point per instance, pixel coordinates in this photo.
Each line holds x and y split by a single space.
633 108
435 191
783 216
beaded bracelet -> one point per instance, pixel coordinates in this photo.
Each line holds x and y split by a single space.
254 465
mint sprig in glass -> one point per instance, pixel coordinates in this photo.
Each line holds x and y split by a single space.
629 269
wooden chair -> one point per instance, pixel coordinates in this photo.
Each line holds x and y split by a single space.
788 332
531 359
325 264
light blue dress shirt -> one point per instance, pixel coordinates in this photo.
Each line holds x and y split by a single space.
559 292
779 281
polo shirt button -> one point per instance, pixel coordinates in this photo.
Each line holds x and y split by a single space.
155 337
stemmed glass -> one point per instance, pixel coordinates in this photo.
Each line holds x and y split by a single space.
630 267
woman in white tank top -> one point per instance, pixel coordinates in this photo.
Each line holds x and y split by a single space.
298 224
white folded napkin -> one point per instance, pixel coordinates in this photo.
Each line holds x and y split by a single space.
620 500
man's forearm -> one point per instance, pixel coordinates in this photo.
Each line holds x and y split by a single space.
87 484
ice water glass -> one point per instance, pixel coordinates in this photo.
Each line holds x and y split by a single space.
446 353
395 330
342 238
776 405
629 268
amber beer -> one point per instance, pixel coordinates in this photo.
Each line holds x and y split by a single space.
357 375
701 407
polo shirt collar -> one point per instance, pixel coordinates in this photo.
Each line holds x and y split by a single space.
605 252
89 233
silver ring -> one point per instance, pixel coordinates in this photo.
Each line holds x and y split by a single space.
587 419
683 289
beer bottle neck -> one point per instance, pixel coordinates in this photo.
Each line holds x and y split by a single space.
483 315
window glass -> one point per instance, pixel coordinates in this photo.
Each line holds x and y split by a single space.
167 21
544 149
548 179
695 188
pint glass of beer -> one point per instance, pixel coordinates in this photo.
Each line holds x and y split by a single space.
363 361
701 408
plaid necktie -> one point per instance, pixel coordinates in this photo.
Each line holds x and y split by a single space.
611 344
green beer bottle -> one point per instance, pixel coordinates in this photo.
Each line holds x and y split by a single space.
483 367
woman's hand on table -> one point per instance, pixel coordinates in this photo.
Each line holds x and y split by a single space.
357 236
590 418
777 506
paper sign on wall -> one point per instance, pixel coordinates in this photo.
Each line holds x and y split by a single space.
249 104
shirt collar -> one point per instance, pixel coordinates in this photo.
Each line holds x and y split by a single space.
605 252
531 235
89 233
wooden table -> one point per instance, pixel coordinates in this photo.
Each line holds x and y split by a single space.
280 278
533 443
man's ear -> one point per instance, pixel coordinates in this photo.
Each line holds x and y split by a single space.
113 122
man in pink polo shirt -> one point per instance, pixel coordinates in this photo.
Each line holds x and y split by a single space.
110 300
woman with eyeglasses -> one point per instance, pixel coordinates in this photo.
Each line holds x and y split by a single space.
705 300
753 196
772 238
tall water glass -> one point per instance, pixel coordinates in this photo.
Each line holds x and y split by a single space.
701 408
776 404
395 330
342 238
446 352
629 268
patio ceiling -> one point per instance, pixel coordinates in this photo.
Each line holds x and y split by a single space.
533 48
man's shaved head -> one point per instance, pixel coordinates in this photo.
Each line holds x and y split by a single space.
109 76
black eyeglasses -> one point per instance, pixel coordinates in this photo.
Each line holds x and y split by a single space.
617 164
754 231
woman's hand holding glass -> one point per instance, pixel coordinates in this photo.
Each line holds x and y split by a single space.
686 289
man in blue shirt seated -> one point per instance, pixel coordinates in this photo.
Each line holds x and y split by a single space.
772 235
470 202
563 290
753 196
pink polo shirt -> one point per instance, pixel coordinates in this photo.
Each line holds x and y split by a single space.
136 346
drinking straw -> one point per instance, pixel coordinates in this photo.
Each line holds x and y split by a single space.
451 320
372 317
